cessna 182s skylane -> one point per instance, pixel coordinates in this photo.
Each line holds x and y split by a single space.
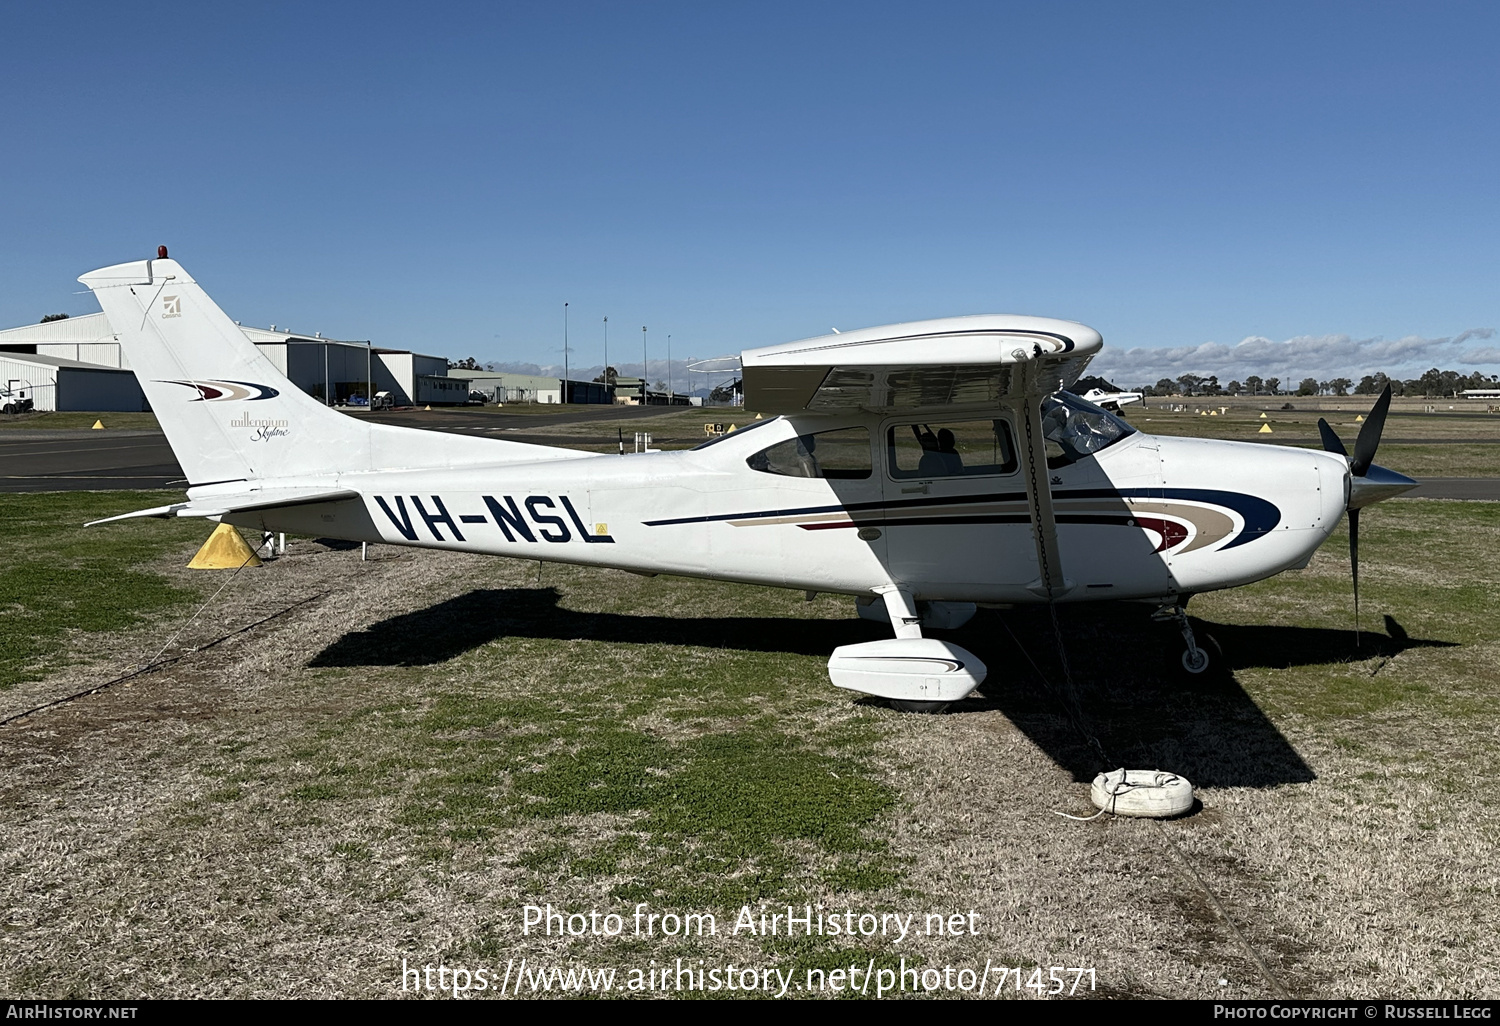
922 468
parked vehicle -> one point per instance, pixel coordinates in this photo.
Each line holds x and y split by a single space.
15 397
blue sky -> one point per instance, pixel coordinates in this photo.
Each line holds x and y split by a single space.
445 177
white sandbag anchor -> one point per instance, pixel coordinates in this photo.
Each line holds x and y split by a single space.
1154 794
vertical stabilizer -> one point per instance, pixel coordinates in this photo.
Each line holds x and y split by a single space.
228 413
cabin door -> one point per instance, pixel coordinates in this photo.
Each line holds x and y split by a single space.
955 515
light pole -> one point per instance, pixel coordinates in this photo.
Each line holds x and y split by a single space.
565 354
644 365
669 369
606 356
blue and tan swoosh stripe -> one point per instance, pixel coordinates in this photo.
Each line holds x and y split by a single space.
1201 517
226 391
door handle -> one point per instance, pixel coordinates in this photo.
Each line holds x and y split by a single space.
922 488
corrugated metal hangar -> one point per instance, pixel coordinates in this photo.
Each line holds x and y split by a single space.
78 360
504 387
54 383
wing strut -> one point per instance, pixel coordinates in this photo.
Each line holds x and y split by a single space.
1050 582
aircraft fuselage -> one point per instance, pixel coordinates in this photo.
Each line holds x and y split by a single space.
1148 517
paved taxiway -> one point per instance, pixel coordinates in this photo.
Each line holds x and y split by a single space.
71 461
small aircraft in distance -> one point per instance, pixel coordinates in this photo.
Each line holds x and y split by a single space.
922 468
1112 401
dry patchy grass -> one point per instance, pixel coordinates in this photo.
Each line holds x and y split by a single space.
436 740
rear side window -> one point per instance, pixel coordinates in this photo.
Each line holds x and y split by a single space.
970 448
842 454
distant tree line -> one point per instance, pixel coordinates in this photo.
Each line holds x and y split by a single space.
1436 383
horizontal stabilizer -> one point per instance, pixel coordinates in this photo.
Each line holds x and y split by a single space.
160 512
219 505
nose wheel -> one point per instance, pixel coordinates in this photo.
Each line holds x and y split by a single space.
1199 658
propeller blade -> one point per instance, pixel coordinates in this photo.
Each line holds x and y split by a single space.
1331 442
1369 435
1354 566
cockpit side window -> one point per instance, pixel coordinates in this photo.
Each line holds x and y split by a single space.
970 448
843 454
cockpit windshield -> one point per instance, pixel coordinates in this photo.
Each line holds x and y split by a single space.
1075 428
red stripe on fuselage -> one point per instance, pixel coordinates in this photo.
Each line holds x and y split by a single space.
1172 533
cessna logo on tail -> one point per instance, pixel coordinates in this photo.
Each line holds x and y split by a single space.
171 306
542 519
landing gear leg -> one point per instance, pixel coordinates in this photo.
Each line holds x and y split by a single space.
902 609
1195 659
907 623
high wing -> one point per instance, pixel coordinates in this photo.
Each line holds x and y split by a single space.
981 360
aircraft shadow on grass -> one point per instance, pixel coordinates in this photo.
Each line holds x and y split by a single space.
1130 692
449 629
1126 688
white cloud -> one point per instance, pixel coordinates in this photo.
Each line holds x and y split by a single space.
1321 357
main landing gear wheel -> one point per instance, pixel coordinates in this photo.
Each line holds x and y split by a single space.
925 708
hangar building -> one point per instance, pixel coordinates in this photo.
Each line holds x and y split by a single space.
504 387
327 369
55 383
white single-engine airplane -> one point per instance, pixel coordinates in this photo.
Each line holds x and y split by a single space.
1112 401
923 468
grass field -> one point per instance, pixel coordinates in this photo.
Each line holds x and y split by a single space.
430 742
91 582
1455 440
